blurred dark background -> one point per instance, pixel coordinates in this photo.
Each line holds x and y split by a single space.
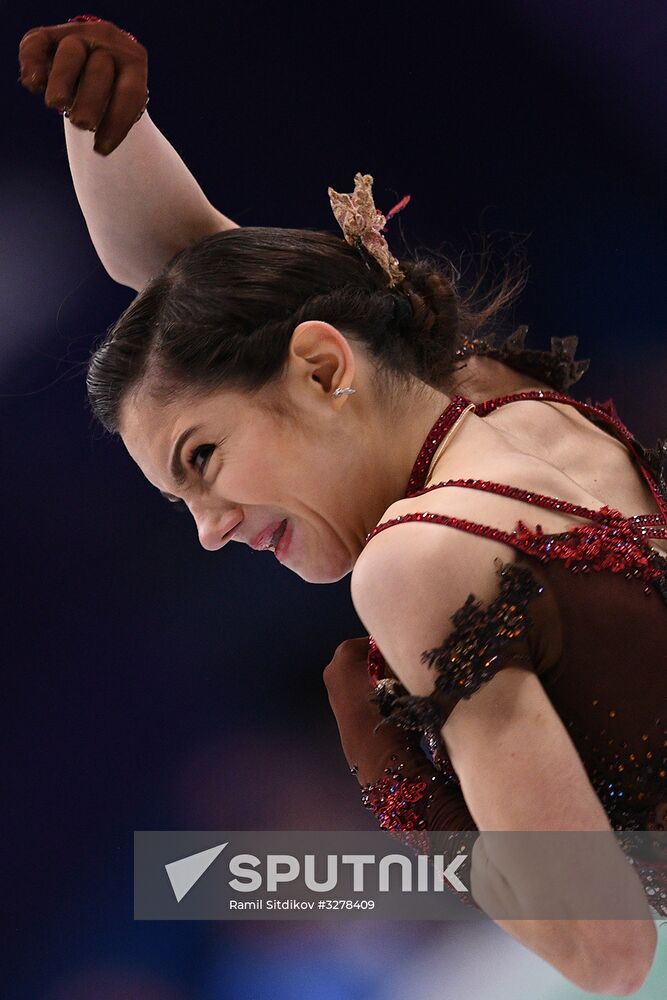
153 685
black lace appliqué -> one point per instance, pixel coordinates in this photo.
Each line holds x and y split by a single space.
469 656
655 460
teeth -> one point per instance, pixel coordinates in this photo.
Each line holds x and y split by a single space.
277 535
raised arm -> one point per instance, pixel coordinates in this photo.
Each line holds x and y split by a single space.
140 202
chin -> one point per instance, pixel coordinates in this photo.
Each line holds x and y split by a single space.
319 566
323 578
322 574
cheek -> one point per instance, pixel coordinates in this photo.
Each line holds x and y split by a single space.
275 465
261 473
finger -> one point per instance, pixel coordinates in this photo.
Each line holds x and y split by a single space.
348 686
354 646
126 104
367 748
68 63
35 51
349 655
94 90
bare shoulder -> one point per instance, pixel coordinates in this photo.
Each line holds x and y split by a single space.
493 509
412 550
425 547
411 579
414 575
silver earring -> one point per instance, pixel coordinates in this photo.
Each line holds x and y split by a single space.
343 392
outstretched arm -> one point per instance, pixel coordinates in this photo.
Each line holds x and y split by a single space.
140 202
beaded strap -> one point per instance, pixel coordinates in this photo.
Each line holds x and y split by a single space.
443 424
530 496
641 521
615 544
603 413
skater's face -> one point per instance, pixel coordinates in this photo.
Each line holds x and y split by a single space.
304 479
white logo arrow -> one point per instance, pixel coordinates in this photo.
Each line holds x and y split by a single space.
186 871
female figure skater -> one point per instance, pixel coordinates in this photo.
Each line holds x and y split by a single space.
302 392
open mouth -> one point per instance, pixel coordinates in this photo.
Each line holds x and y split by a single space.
277 535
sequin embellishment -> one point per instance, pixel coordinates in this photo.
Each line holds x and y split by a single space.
393 798
627 786
616 543
400 804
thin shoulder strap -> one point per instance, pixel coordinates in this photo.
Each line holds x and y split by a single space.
603 413
618 544
540 500
530 496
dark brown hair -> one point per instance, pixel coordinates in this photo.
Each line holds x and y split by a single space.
222 313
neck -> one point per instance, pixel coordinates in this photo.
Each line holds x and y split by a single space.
393 446
481 378
400 433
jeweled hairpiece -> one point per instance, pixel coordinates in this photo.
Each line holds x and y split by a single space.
363 224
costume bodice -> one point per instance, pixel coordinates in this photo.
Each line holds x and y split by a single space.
585 608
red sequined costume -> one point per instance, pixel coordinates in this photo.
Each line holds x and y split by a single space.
585 608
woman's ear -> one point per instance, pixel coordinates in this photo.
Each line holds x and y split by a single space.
321 355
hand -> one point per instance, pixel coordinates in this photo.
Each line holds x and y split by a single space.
94 71
349 690
408 795
369 752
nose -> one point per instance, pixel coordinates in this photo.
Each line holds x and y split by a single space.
216 527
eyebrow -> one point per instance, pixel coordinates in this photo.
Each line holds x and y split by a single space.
176 464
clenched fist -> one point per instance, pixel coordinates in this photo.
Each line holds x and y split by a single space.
373 753
95 72
349 690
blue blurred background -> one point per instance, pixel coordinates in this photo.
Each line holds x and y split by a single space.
153 685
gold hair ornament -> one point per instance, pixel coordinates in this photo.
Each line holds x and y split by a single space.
363 224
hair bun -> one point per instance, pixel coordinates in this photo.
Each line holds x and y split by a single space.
429 320
403 314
